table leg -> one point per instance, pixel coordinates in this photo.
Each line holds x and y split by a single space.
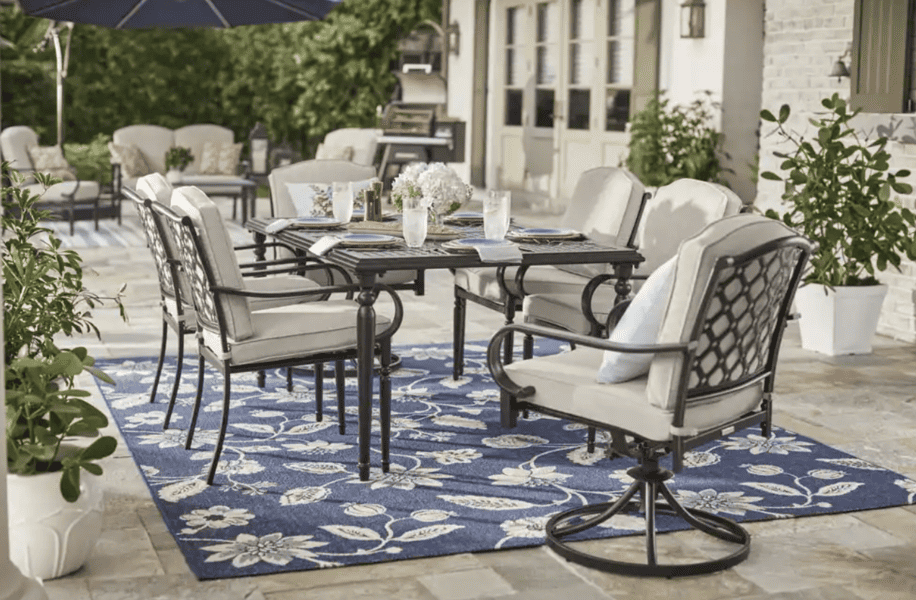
253 198
622 272
244 199
365 361
260 250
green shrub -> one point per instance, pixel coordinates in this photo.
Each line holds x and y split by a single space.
92 161
670 142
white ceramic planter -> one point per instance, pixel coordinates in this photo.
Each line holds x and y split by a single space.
839 321
50 537
173 176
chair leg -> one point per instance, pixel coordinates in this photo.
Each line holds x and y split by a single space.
319 391
384 402
165 335
458 316
200 392
262 379
528 346
224 424
178 367
340 375
509 348
289 379
591 440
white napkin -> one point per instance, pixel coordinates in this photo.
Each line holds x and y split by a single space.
321 247
278 225
502 253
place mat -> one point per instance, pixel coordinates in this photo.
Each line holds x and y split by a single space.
433 232
465 217
314 223
374 240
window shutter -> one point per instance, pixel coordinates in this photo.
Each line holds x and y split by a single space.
879 76
645 53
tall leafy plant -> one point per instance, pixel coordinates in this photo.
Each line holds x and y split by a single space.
43 297
838 193
670 142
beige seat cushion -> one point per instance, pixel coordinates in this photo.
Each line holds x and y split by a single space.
61 192
566 382
278 283
292 331
482 281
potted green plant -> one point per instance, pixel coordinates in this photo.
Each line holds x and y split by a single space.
55 514
176 160
670 142
838 192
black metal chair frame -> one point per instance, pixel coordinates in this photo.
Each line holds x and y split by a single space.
512 303
695 385
169 271
210 315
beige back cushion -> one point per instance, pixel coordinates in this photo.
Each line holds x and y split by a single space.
15 143
219 252
155 187
350 143
676 212
310 171
152 140
726 237
194 136
605 204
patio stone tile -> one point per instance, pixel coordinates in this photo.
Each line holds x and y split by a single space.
387 589
467 585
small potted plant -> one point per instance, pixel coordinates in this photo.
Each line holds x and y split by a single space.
176 160
46 415
838 192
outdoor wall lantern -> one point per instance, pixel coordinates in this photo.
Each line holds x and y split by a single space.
839 69
260 149
454 37
693 19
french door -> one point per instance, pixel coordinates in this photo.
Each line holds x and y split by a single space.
563 73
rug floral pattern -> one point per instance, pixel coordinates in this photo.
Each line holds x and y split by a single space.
287 496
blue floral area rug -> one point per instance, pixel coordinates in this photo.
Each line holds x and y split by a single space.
287 496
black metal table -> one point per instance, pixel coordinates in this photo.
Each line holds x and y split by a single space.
369 263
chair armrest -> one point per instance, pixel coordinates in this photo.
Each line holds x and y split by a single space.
494 350
588 293
324 290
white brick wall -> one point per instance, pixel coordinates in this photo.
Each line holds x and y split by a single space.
802 41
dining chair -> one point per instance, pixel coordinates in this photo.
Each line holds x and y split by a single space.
233 338
606 206
325 172
675 212
707 373
175 293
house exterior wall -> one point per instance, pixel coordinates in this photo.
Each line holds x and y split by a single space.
801 43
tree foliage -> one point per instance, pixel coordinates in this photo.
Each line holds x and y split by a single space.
300 79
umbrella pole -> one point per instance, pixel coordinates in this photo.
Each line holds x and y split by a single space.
63 60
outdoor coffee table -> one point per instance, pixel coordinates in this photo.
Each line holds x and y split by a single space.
247 191
368 263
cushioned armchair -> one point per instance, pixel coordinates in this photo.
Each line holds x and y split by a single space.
233 338
606 206
74 198
177 308
675 212
707 372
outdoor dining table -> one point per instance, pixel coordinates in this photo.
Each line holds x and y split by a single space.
369 262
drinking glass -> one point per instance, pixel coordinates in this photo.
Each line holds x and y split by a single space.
414 221
342 201
496 214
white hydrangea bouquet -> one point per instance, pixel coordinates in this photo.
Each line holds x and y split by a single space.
438 186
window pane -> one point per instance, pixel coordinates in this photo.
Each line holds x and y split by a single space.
543 100
511 25
579 109
618 109
613 17
581 64
575 20
547 67
513 107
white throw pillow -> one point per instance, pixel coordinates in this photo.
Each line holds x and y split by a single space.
133 163
639 325
220 158
310 199
50 160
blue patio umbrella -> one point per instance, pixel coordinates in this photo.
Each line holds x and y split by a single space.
139 14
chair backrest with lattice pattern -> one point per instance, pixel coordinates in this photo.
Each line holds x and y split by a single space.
732 288
218 256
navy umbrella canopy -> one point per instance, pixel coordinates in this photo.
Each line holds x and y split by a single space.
139 14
